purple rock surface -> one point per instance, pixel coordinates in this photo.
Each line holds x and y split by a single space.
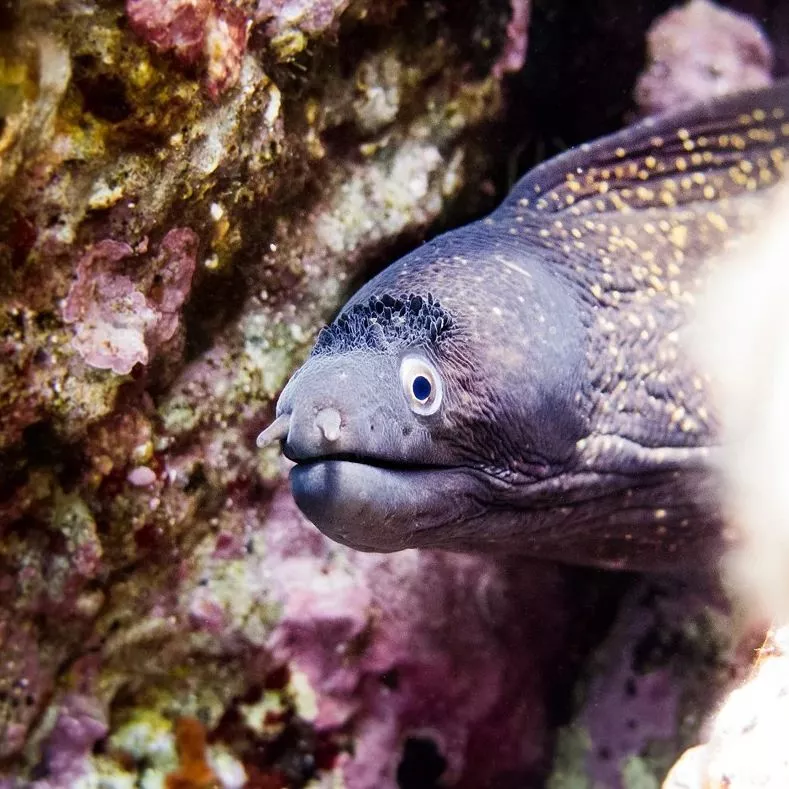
700 50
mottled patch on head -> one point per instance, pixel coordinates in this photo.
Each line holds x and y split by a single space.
385 321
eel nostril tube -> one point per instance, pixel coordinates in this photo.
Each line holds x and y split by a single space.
276 431
328 421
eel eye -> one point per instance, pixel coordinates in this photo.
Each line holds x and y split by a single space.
421 384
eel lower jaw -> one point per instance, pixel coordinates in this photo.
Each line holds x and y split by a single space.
373 506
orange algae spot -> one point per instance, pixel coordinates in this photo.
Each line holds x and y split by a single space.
194 772
260 779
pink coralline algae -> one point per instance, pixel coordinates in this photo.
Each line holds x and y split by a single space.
210 33
21 689
309 16
177 26
698 51
667 657
633 703
173 270
453 653
79 726
213 34
112 316
120 318
513 55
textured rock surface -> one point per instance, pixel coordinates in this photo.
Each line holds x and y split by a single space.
301 660
666 662
702 49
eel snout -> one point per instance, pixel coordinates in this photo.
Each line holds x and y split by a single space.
327 427
276 431
328 421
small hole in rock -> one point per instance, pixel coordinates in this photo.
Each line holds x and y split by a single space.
422 765
104 96
391 679
9 11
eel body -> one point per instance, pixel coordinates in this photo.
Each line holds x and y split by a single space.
520 384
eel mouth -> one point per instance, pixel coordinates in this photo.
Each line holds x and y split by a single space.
366 500
363 460
377 505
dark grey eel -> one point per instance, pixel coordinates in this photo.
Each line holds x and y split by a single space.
520 384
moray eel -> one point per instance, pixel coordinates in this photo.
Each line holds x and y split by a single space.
519 385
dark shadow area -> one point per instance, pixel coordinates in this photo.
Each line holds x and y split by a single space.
421 766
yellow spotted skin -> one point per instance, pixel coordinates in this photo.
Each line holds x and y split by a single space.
573 423
640 230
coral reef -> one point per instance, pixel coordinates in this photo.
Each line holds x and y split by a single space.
212 35
112 317
312 640
196 32
700 50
